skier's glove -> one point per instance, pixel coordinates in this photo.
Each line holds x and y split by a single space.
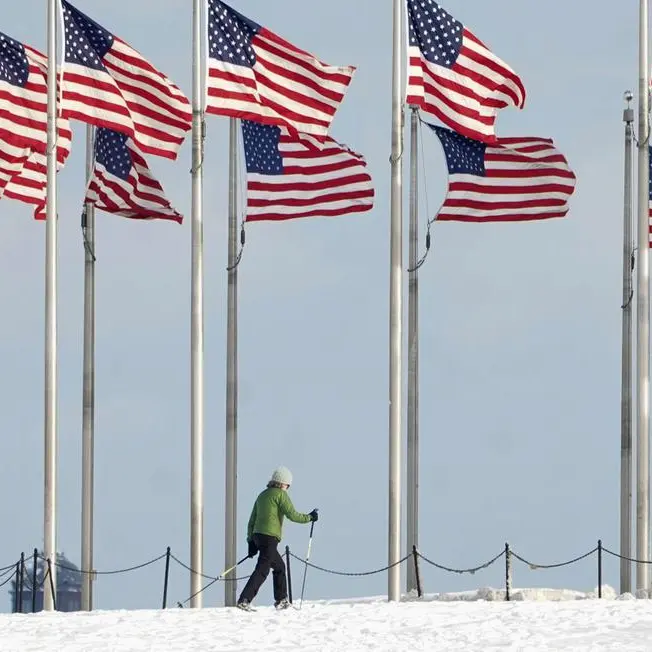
253 548
313 515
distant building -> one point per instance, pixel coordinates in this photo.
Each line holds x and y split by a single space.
68 586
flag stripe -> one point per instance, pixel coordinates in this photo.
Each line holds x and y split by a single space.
320 89
232 94
287 95
474 78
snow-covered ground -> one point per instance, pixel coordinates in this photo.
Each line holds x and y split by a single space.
536 620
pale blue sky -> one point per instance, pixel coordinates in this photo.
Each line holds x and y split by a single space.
520 330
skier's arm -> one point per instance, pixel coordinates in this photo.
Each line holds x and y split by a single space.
287 508
252 522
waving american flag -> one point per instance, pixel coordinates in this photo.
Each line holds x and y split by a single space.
122 183
107 83
23 94
516 179
453 76
287 178
257 75
23 107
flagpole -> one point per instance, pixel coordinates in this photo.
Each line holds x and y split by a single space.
626 395
230 531
626 392
413 356
50 480
197 320
643 307
395 311
88 391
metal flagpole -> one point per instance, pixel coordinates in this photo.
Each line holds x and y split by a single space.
413 357
626 393
197 318
88 391
643 308
626 396
230 531
395 310
50 481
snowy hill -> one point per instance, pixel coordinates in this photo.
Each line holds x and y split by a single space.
536 621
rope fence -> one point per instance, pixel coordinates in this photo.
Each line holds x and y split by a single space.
29 581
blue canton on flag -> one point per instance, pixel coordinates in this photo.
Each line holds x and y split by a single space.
14 65
435 32
112 152
230 34
261 148
86 41
463 155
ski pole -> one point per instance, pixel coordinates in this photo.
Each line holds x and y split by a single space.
305 568
228 570
217 579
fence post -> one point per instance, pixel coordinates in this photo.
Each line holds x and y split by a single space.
16 588
34 568
417 573
508 572
54 595
167 576
289 573
22 582
599 568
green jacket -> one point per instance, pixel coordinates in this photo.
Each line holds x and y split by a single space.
267 514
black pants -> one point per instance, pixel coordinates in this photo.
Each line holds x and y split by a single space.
268 558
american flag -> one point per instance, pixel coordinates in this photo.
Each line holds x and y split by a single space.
30 185
23 94
287 178
257 75
107 83
122 183
23 106
516 179
453 76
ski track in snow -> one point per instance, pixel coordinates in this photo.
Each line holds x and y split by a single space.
581 626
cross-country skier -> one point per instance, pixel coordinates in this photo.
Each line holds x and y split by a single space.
264 533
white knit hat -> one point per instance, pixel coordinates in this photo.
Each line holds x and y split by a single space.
282 475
